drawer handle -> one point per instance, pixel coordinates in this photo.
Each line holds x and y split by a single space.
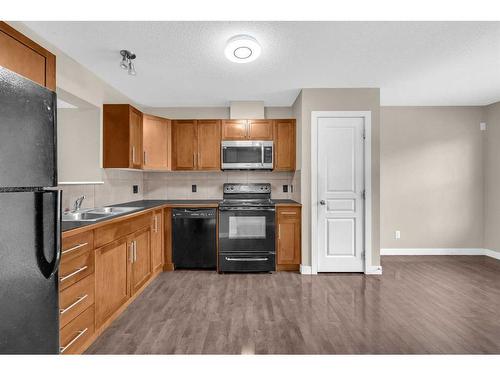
75 247
80 299
73 273
246 259
80 334
288 212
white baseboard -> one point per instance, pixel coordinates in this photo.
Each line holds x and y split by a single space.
492 253
305 270
441 251
373 270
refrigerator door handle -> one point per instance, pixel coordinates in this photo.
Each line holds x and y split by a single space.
48 269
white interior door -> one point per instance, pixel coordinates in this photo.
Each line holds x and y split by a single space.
340 194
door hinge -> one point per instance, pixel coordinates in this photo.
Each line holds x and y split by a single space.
363 255
364 135
363 194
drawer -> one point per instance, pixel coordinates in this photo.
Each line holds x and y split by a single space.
76 269
76 245
76 333
75 299
288 213
111 232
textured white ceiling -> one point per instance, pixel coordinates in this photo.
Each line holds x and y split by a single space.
183 63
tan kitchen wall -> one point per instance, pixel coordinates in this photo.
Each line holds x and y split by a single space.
431 177
350 99
492 177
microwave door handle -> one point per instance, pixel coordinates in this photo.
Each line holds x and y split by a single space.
262 155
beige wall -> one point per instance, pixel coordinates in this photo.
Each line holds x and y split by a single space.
431 177
335 100
78 141
492 178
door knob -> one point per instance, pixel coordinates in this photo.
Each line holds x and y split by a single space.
322 202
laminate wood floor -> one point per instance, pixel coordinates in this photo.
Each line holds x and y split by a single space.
426 304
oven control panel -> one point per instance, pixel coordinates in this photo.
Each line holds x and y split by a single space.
233 188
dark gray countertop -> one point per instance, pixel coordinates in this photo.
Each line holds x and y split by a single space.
152 203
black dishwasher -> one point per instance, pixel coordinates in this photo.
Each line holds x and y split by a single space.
194 238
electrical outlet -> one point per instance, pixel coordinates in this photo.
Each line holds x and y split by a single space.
135 189
193 188
285 188
397 234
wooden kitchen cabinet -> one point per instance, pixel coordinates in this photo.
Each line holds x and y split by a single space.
208 145
122 136
284 145
25 57
157 253
235 130
288 242
196 144
240 130
141 260
184 145
156 138
112 270
260 130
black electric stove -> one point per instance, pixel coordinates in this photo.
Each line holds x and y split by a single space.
246 228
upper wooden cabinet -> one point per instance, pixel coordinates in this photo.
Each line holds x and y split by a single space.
122 136
23 56
184 144
284 145
261 130
156 137
234 129
247 129
196 145
208 145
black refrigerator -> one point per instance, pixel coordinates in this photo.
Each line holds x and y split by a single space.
30 217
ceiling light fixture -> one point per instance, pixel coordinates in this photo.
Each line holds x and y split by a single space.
242 49
127 62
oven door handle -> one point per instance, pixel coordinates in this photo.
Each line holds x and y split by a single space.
247 209
231 259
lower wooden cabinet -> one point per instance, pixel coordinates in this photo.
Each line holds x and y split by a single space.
141 258
75 335
288 239
157 253
112 264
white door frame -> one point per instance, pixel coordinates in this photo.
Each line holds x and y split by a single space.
315 116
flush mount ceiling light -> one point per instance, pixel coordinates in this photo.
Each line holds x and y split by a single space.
127 62
242 49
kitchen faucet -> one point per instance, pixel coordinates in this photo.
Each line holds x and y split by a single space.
78 203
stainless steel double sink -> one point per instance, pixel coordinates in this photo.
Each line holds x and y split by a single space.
95 214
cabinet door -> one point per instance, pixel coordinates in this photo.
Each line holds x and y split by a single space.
112 264
288 249
284 145
260 130
155 142
25 57
208 145
184 144
234 129
157 241
141 264
135 139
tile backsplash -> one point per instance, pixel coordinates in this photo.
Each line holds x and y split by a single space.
117 186
177 185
